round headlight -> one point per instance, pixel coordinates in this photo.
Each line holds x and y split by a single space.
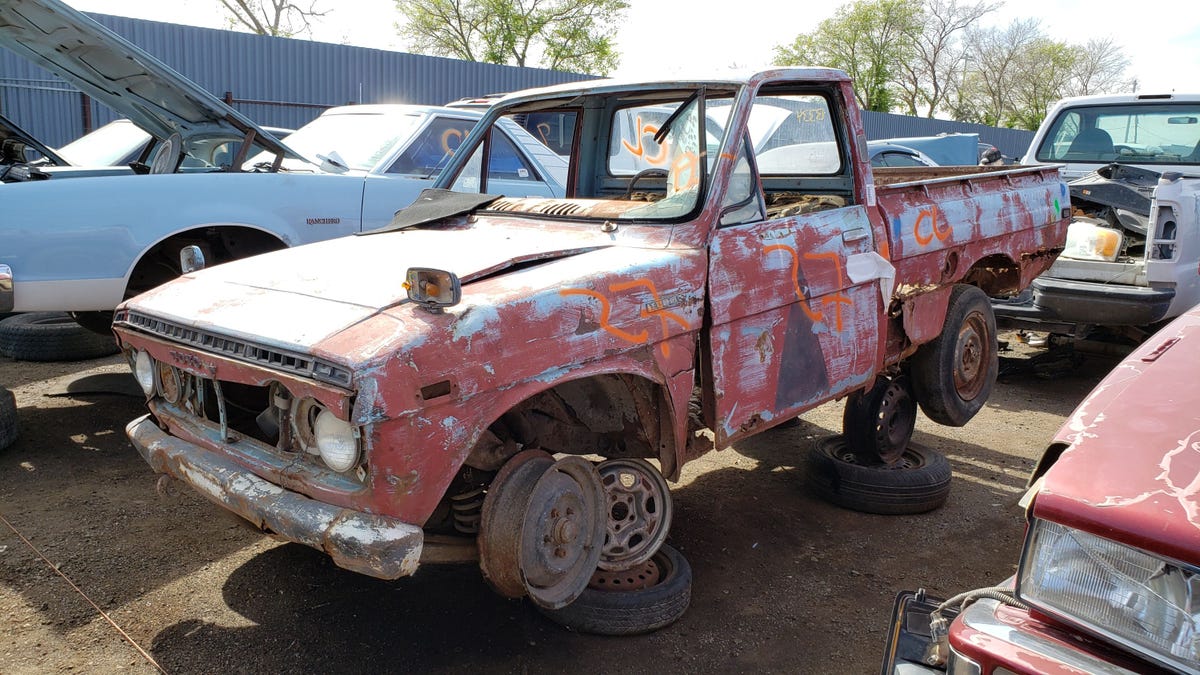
336 441
143 370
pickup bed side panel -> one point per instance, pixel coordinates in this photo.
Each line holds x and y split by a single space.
940 229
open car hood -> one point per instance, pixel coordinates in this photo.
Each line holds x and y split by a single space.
113 71
11 132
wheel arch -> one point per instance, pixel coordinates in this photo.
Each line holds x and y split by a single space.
995 274
235 240
609 412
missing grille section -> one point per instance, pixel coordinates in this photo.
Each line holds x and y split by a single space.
242 350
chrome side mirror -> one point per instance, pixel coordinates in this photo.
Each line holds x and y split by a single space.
191 258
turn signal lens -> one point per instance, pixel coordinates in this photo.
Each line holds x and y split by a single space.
432 289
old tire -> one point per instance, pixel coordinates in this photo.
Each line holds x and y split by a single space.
8 418
51 336
918 482
630 612
953 375
879 422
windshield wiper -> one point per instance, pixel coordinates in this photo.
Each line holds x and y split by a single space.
665 128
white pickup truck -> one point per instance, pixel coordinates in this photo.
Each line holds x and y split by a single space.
1132 258
82 246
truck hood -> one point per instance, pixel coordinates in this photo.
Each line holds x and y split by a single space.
1130 471
10 131
115 72
295 298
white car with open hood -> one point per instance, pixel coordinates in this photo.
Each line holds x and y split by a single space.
82 246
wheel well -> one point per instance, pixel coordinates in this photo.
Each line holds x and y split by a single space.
220 244
995 275
610 415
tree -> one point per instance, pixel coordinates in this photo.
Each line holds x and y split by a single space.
1100 68
869 39
985 92
282 18
574 35
927 79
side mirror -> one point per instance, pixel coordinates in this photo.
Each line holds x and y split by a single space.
432 289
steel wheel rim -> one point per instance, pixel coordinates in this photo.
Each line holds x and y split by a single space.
502 520
895 424
907 459
970 369
639 512
563 532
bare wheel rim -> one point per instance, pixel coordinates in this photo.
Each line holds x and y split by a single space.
895 421
906 459
502 520
970 357
563 532
636 578
639 512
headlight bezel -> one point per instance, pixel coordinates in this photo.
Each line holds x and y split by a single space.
1039 597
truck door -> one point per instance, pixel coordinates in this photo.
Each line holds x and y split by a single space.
789 327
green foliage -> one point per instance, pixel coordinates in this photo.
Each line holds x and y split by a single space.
869 39
574 35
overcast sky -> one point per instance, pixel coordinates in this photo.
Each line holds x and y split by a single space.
1162 38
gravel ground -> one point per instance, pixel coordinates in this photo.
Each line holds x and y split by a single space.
783 581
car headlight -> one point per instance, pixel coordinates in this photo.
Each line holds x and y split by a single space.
337 441
1091 240
1130 597
143 370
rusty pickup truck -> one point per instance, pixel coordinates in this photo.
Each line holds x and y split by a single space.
513 380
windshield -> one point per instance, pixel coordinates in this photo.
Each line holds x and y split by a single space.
359 140
114 144
1167 133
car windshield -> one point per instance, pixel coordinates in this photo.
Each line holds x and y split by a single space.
110 145
358 140
1167 133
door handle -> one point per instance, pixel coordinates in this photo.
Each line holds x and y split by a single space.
857 234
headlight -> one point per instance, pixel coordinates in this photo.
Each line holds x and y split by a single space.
143 370
337 441
1090 240
1135 599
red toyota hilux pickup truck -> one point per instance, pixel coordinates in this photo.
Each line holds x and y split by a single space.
513 380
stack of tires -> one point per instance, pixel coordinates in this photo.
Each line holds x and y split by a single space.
51 336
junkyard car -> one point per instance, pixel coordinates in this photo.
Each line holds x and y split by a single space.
1132 257
1109 578
82 246
402 395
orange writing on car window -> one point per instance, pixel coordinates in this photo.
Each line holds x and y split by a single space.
686 171
639 150
446 136
543 129
935 226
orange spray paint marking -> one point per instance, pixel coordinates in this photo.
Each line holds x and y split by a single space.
661 311
447 135
605 310
936 230
686 170
838 299
814 316
639 150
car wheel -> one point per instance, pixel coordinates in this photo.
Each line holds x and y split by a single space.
953 375
917 482
51 336
879 422
641 599
8 418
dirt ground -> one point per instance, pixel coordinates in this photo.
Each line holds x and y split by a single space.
783 582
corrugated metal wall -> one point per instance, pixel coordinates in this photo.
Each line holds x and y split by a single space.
261 68
301 77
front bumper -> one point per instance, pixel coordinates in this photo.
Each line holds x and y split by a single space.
988 636
369 544
1064 305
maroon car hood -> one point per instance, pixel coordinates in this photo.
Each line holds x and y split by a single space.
1132 471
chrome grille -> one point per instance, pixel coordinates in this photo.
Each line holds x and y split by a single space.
241 350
